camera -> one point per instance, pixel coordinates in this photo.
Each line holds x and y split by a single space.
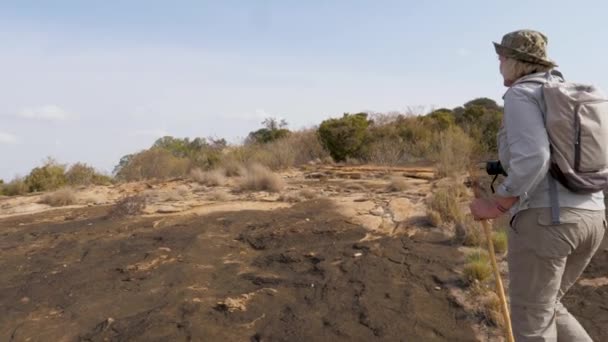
494 168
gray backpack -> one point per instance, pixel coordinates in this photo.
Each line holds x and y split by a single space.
576 120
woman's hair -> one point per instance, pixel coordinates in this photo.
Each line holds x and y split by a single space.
513 69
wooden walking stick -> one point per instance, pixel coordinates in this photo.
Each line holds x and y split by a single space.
499 287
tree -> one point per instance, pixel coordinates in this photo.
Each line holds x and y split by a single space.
49 176
273 130
344 137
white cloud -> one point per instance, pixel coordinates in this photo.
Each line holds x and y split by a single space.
159 133
6 138
462 52
47 113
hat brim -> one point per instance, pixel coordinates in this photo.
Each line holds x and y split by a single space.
522 56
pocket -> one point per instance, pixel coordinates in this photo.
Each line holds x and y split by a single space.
557 240
513 221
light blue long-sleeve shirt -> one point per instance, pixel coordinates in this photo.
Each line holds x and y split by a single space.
524 152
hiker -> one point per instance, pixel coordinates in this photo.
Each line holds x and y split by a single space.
554 231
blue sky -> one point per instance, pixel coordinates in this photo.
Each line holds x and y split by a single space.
91 80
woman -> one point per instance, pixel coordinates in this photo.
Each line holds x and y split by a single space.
545 259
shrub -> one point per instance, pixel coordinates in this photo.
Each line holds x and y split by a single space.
291 197
218 196
455 151
468 232
59 198
500 241
210 178
128 206
82 174
155 163
386 151
232 167
16 187
308 194
491 309
446 202
344 137
273 130
477 267
50 176
260 178
434 217
397 184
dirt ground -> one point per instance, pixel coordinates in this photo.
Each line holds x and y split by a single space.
355 263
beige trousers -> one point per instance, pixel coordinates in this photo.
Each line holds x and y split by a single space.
544 262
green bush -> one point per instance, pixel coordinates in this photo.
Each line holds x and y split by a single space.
344 137
50 176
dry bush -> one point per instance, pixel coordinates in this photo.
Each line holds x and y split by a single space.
82 174
182 190
355 187
492 309
307 146
291 197
434 217
487 305
446 202
455 151
397 184
468 232
155 163
128 206
59 198
386 151
209 178
219 196
16 187
260 178
172 196
308 194
477 267
232 167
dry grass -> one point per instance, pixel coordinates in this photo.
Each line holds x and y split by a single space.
128 206
477 267
232 167
455 151
16 187
209 178
308 194
260 178
59 198
218 196
490 308
291 197
397 184
446 201
355 187
468 232
434 217
500 241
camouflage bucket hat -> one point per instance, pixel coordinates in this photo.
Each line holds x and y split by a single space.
525 45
